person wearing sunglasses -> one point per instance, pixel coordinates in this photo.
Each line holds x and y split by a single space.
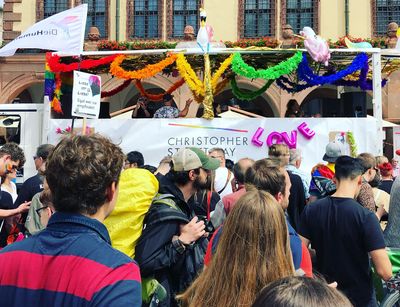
11 158
47 208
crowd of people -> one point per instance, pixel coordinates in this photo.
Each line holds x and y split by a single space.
99 227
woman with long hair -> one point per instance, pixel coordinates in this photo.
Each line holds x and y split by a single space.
253 251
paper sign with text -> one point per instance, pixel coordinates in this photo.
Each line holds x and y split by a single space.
86 95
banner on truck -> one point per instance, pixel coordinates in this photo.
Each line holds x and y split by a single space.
156 138
63 32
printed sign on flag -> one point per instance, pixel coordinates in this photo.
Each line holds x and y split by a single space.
63 32
86 95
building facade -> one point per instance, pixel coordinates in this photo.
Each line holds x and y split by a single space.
21 76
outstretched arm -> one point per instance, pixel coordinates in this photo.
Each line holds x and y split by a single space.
185 111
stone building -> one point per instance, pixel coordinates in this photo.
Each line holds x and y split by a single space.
21 76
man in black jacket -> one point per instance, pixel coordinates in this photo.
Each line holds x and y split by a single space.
173 243
34 184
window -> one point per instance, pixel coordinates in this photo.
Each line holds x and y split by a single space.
10 128
52 7
184 13
97 16
47 8
301 13
258 18
385 12
146 19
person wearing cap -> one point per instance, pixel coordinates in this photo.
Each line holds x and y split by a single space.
322 175
173 242
169 111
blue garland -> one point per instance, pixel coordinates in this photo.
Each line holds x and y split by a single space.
363 82
291 87
305 73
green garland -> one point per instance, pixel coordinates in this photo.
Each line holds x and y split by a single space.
248 95
271 73
352 143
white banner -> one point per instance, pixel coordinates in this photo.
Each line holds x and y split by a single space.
156 138
63 32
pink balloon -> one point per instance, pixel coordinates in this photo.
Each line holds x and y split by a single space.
274 136
306 131
291 141
256 137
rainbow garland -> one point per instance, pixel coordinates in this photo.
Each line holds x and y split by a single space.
305 74
248 96
271 73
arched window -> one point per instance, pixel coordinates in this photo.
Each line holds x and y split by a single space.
47 8
144 19
383 13
97 16
300 14
183 13
256 18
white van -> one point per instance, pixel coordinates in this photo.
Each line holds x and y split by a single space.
22 124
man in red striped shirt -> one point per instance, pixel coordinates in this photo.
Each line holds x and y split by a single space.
71 262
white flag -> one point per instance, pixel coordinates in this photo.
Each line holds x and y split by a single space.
63 32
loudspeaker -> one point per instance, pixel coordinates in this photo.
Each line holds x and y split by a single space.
354 104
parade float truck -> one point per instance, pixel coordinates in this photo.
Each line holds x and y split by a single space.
34 124
203 68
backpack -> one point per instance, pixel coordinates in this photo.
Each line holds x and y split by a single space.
137 188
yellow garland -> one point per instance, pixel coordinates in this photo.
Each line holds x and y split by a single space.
189 75
149 71
194 83
208 89
222 68
218 89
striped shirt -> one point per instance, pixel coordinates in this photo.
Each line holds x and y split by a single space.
70 263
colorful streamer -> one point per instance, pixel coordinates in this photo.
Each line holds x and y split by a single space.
271 73
248 96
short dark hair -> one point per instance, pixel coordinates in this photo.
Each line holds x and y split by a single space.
44 150
135 157
348 168
79 171
300 291
266 175
16 152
